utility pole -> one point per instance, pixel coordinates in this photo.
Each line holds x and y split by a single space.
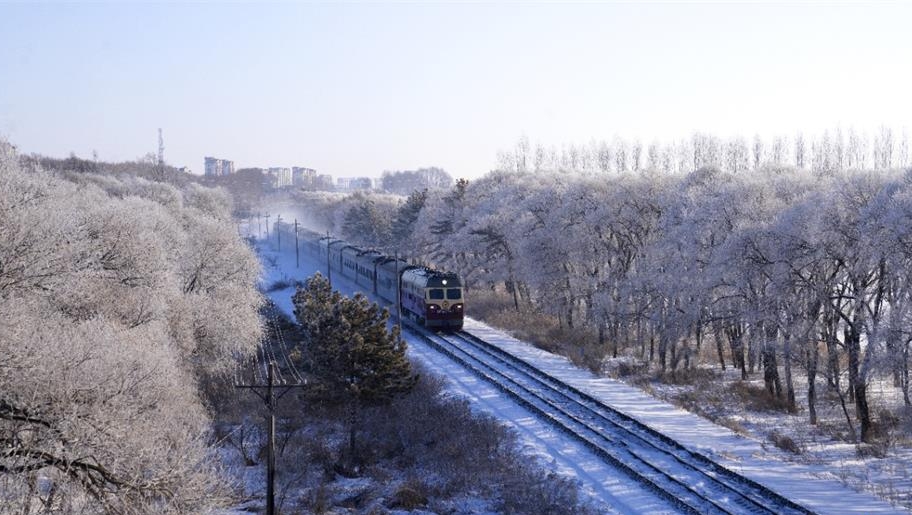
259 226
160 163
267 227
398 293
297 259
267 393
329 268
279 232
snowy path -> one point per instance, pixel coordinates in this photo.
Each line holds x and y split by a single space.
606 486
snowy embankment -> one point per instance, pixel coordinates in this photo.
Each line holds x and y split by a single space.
610 489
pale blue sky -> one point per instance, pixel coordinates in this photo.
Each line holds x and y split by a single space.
357 88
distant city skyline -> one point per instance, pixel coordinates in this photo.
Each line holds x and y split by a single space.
354 89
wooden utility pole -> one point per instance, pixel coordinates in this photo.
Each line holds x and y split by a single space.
329 268
398 292
270 456
279 232
297 257
267 392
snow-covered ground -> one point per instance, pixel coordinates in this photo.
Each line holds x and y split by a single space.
608 488
889 476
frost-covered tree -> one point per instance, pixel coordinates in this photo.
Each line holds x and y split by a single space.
105 346
368 223
784 270
403 224
408 181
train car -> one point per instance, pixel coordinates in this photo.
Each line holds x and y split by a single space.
308 239
309 242
388 271
365 268
312 247
433 298
349 256
323 245
334 249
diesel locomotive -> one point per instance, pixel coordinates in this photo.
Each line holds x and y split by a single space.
432 298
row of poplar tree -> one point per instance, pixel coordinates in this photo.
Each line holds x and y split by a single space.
799 274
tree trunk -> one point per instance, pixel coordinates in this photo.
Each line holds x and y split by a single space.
829 336
639 336
685 347
896 358
651 346
752 353
663 351
789 384
675 355
771 371
770 363
811 357
845 411
352 427
615 349
905 376
736 342
719 350
862 410
857 384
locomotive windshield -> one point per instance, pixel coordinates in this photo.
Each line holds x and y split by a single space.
454 293
435 293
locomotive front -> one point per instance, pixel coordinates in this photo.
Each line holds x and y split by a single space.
434 298
444 302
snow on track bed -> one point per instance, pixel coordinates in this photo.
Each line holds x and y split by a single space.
688 480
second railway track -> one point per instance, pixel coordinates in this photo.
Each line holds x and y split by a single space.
688 480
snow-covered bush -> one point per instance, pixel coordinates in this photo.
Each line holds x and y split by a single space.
422 451
117 301
213 202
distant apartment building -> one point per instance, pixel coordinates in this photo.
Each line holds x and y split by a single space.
323 182
303 177
354 183
362 183
282 177
218 167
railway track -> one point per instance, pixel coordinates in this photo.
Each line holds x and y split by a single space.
690 481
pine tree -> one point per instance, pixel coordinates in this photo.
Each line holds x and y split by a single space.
407 215
366 223
351 356
313 306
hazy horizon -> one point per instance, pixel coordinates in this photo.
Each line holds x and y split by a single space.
356 89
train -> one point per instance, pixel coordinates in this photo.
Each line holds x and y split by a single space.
429 297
